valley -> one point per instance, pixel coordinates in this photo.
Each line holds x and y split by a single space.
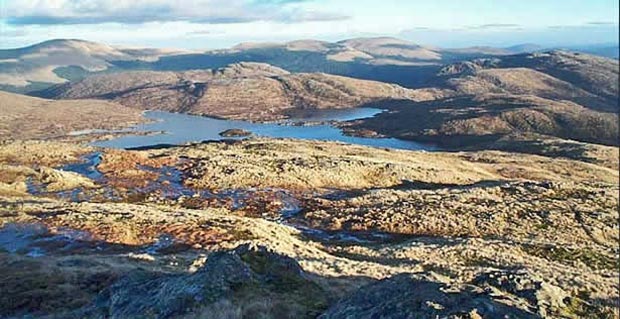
365 178
466 105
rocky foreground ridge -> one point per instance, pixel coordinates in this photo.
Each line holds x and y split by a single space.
230 230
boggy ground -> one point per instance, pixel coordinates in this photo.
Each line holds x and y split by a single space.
231 230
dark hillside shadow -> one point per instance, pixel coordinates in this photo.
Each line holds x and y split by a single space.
442 121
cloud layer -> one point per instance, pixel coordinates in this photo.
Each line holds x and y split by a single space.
66 12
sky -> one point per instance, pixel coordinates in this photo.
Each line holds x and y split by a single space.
213 24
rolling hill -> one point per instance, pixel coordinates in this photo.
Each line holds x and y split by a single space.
383 59
559 94
56 61
249 91
26 117
583 78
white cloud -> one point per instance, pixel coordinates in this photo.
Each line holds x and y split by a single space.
61 12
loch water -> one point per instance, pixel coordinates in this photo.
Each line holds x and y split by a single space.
178 128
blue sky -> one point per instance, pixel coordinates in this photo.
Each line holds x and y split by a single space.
202 24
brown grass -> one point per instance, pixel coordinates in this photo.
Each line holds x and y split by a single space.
24 117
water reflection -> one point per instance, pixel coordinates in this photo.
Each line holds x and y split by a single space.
182 128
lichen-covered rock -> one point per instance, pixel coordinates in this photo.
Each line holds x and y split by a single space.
414 296
542 296
57 180
246 272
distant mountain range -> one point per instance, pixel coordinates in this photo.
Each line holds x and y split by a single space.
560 94
457 98
608 50
57 61
384 59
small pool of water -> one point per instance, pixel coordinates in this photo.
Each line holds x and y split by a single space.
183 128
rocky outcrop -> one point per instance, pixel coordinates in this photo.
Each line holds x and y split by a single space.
242 275
58 180
541 297
467 67
491 294
417 296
